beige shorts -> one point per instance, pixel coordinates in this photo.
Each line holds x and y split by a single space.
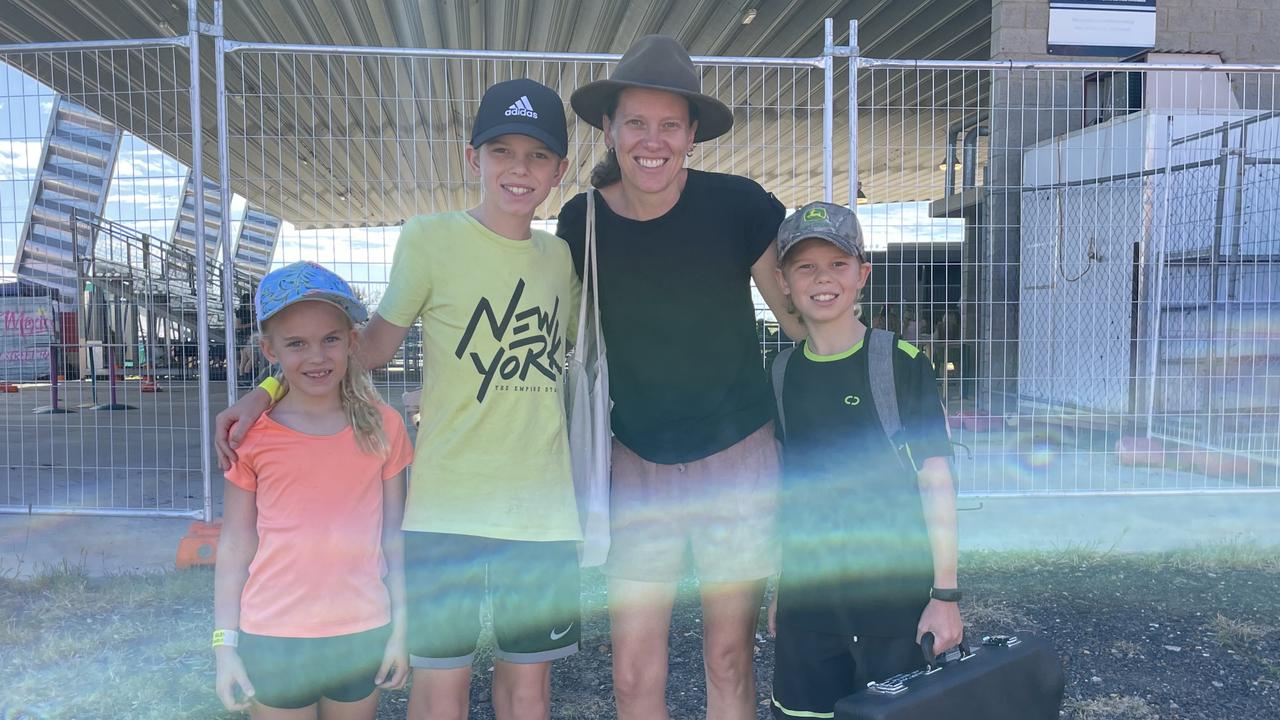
720 509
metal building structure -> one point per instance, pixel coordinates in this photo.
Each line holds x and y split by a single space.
73 175
185 233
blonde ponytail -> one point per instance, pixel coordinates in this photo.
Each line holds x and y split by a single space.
361 402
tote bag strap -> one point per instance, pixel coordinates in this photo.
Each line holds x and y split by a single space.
590 276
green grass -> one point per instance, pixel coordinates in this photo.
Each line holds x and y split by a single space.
993 615
1113 707
1235 632
1231 555
136 646
124 646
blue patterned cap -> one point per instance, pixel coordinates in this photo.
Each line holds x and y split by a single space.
305 281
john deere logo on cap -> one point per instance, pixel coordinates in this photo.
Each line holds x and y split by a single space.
815 214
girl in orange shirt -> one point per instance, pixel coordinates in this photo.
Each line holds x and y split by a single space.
309 593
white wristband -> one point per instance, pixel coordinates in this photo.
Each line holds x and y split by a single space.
230 638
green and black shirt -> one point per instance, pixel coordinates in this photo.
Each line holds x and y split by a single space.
856 558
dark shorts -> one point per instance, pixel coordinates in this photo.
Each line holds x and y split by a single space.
296 672
532 588
811 671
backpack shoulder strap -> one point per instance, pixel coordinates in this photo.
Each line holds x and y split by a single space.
779 372
884 392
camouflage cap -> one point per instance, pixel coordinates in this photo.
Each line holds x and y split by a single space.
836 224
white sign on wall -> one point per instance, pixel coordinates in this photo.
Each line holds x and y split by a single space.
1111 28
27 333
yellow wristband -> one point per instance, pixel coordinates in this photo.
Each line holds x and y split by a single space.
273 388
230 638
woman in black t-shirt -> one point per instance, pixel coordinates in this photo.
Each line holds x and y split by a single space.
695 464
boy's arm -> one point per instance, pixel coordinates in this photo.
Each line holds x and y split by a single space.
395 663
767 283
937 495
379 341
237 544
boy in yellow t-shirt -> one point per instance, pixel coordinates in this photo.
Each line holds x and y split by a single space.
491 508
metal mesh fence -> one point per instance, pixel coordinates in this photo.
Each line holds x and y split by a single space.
102 413
1105 321
1085 252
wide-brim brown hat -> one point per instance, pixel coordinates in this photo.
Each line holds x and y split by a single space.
655 62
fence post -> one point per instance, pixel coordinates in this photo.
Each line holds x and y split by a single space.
224 227
828 116
202 287
853 114
1157 279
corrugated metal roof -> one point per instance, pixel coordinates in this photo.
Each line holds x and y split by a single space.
283 164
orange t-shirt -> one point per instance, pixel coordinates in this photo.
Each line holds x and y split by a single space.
319 566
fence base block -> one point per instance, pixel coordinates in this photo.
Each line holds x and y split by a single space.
199 546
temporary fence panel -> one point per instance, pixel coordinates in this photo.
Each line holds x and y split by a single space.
1111 305
112 423
1216 369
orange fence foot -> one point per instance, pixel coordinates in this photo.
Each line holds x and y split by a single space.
199 546
8 388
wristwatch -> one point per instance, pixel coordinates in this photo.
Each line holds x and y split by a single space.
945 594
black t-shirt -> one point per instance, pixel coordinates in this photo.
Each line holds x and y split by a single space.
685 370
856 558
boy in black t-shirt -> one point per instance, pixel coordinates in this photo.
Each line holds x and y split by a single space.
867 514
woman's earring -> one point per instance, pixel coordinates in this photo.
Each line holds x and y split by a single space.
690 153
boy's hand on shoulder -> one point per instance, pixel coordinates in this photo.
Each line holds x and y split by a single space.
232 424
943 620
230 674
395 663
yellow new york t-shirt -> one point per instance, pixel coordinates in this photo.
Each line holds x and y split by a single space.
492 456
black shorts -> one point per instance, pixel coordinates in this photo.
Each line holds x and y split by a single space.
532 588
811 671
296 672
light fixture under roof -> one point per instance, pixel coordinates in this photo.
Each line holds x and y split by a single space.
748 16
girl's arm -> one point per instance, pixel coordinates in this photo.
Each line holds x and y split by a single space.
395 660
237 544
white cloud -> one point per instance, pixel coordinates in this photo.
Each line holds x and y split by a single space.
893 223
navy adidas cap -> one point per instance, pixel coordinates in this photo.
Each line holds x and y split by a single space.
522 107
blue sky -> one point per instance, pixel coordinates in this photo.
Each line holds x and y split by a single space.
147 184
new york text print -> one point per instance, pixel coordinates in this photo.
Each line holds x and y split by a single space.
528 339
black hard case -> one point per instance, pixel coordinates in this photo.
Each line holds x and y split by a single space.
1021 681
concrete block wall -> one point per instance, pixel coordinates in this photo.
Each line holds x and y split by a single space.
1242 31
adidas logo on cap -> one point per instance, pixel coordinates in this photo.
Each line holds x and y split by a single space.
522 107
